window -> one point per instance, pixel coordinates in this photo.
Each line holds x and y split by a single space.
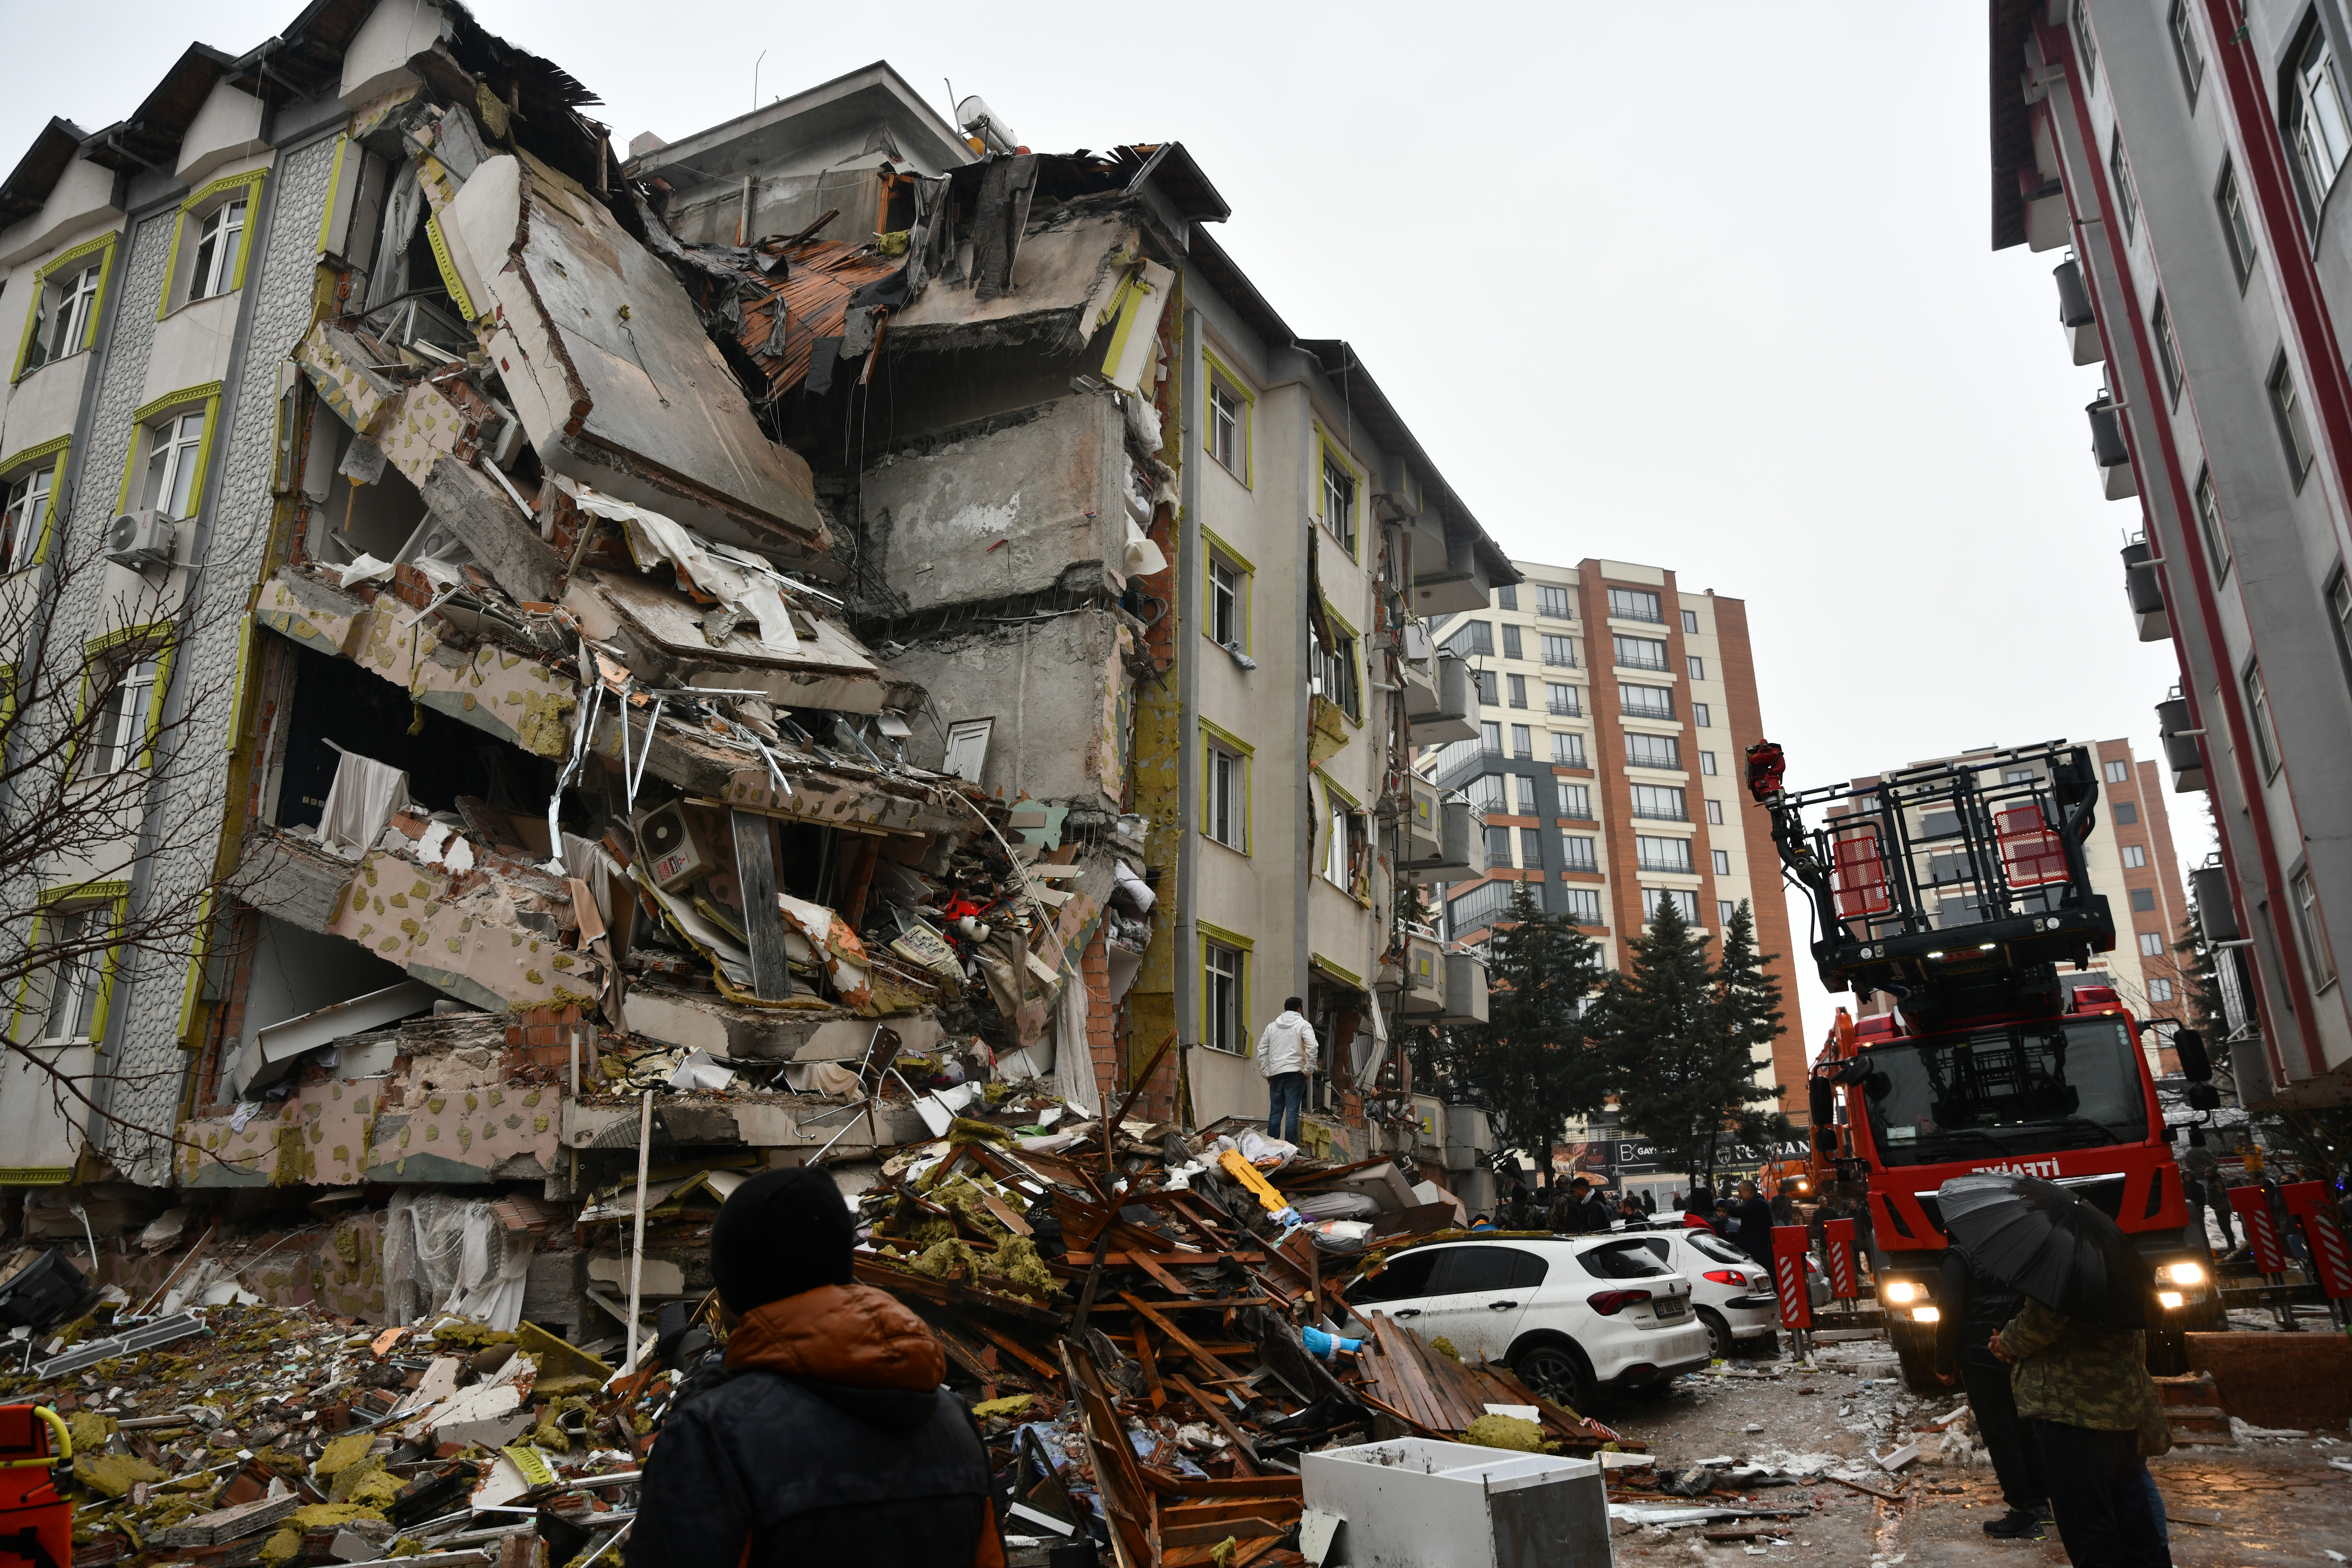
1682 899
2151 944
1471 639
1575 801
1724 910
2159 989
1345 844
1519 689
1562 699
2118 772
2018 776
26 500
1633 604
2168 351
1228 427
1646 702
2134 856
1662 854
1511 642
1498 848
1722 858
1490 737
1715 812
1227 810
77 982
1226 585
1703 715
1660 802
2258 700
2312 930
1576 852
2236 226
2208 525
1695 666
1339 502
1640 653
1568 749
1583 905
219 246
2317 126
117 731
1508 596
1523 741
1552 604
174 453
62 309
2186 50
1529 789
1560 651
1222 1028
2119 177
1487 792
1531 848
2339 617
2126 812
2085 49
1653 752
1335 676
1690 623
1706 763
1483 679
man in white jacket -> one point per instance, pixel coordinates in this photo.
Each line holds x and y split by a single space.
1284 1051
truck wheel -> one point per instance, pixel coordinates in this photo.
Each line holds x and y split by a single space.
1917 1352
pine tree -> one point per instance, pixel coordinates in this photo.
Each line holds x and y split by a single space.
1748 1015
1530 1067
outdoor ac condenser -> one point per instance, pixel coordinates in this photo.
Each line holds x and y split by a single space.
140 540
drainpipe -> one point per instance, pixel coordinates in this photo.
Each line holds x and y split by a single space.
1188 568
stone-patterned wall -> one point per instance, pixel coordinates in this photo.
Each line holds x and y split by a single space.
147 1054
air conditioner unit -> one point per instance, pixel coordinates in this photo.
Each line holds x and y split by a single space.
140 540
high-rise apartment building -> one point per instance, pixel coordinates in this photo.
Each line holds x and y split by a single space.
1615 714
2184 153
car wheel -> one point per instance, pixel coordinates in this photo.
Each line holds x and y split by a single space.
1555 1370
1719 1343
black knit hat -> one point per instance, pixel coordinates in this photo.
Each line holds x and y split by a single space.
783 1232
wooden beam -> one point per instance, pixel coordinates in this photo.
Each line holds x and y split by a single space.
1201 1358
763 921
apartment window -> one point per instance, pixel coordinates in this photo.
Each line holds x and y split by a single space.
2286 408
2312 930
1498 848
1490 737
2168 351
173 449
2317 126
1222 1029
1227 806
1576 852
1560 652
1662 854
1519 689
28 497
2339 617
2258 700
1531 848
1337 680
2143 901
2126 813
1472 638
2186 50
1523 741
1634 605
1562 699
1703 715
1682 899
1724 910
2135 857
1483 679
1552 604
1511 641
1690 623
1661 802
1653 752
1575 801
1489 792
2116 773
1529 789
1229 427
2119 176
77 979
2159 989
1706 763
2151 944
1583 905
117 733
1227 583
2236 226
1568 748
1640 653
2086 51
1722 858
1508 597
1339 502
2208 525
62 307
1715 812
1646 702
1345 844
1695 666
219 239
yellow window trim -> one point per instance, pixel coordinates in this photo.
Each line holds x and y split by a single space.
1229 742
251 178
1356 659
334 191
1128 301
1216 369
1225 938
104 242
1333 788
449 278
36 1175
1335 970
114 894
155 633
209 394
1241 563
59 447
199 952
1244 946
1329 451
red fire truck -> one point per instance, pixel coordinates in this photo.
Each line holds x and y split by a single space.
1954 901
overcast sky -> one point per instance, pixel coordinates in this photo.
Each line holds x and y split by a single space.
1711 293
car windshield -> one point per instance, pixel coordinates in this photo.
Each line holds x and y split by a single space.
1622 1260
1715 1247
2025 1089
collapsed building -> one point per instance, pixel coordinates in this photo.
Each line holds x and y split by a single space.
747 651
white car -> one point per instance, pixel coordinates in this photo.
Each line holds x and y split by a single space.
1571 1316
1731 1292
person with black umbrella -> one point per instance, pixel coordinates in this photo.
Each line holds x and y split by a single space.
2079 1356
1974 1307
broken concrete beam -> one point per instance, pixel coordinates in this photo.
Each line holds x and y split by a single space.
290 879
460 935
414 423
805 1122
1069 674
503 540
693 1020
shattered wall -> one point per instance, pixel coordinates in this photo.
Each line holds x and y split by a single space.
1056 689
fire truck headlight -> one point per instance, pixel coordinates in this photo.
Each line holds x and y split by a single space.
1925 1314
2168 1299
1898 1291
2185 1273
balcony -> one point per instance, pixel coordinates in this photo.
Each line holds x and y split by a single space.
1422 841
1453 582
1423 995
2075 314
1465 989
2047 224
1441 712
2217 917
1461 852
1568 707
2145 589
2108 446
2179 737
